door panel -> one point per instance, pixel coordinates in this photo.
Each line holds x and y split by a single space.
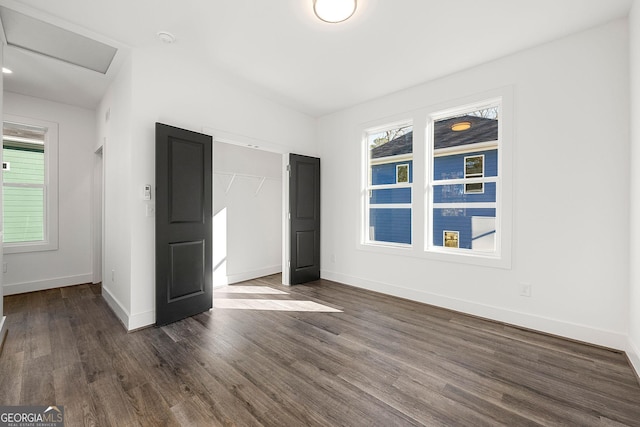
304 206
183 223
187 180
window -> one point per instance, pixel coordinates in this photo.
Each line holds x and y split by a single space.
474 168
402 173
389 200
29 185
459 158
464 184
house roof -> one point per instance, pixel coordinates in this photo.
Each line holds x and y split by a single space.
400 145
482 129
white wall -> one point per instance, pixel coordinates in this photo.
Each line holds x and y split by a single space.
114 136
176 88
633 349
570 199
247 213
71 264
3 326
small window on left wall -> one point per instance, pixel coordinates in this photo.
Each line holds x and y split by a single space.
30 184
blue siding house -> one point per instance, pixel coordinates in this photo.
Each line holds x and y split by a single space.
464 213
390 208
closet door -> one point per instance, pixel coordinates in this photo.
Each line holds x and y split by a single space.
304 208
183 223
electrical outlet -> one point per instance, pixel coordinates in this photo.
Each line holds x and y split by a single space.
151 209
333 258
525 290
113 275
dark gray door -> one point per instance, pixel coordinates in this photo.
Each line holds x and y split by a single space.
304 206
183 223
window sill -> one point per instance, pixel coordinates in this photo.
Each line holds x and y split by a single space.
441 255
18 248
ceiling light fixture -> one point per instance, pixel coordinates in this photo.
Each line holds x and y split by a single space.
460 126
6 70
334 11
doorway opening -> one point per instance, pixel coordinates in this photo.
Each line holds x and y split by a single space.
248 213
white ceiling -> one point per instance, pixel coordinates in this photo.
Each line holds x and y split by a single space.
280 50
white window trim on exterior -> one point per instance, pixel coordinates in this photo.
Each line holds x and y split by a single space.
472 176
50 241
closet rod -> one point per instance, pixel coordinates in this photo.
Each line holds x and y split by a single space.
245 175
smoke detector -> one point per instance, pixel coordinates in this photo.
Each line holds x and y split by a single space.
166 37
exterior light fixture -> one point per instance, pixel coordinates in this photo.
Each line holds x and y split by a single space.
334 11
460 126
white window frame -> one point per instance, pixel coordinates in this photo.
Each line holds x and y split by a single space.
366 230
50 241
422 169
501 257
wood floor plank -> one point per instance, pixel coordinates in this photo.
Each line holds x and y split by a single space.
112 404
379 361
73 393
150 408
37 387
11 377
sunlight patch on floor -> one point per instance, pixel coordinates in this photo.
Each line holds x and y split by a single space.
272 305
249 290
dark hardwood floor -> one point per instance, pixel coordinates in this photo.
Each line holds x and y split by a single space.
379 361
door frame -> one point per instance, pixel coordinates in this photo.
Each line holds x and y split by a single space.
257 144
97 227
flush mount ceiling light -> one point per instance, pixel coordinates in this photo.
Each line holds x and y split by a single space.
6 70
460 126
334 11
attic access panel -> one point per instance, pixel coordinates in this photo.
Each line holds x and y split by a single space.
37 36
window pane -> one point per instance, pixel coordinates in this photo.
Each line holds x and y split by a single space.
475 228
474 166
455 194
453 166
23 210
390 163
24 182
390 195
402 173
479 126
390 225
465 148
26 166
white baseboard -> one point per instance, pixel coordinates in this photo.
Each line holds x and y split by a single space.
141 320
131 322
121 313
41 285
633 353
584 333
249 275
